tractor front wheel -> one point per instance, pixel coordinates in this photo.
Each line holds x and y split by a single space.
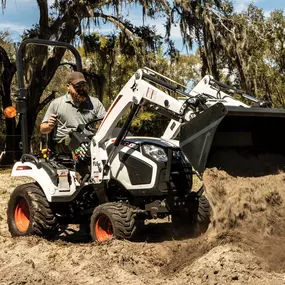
29 213
112 220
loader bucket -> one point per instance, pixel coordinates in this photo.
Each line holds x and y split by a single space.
222 129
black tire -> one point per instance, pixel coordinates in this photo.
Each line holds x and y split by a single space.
202 218
29 213
195 220
112 220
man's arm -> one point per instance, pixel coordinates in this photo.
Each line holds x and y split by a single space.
49 120
47 127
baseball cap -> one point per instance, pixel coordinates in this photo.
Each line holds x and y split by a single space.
75 77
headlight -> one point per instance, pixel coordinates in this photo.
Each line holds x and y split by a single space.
155 152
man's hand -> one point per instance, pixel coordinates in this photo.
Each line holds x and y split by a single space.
48 126
52 121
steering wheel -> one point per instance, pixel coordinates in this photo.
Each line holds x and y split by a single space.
88 125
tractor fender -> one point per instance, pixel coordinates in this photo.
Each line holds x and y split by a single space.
29 169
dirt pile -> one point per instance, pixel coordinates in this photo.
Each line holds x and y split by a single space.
249 210
255 204
245 243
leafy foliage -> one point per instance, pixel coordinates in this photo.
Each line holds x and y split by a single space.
65 24
246 50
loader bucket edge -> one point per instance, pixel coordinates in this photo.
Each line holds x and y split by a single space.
197 135
251 132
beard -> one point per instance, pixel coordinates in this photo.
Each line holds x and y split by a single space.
80 97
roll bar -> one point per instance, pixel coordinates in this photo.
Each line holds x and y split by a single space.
21 100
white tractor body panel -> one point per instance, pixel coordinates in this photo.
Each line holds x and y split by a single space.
119 171
29 169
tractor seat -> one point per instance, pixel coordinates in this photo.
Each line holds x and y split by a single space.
51 171
64 159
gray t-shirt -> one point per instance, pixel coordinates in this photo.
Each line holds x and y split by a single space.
70 114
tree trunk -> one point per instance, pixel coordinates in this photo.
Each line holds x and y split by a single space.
205 66
243 83
210 53
5 91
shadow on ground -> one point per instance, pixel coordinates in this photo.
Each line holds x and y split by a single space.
151 233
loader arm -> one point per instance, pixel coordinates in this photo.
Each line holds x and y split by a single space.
220 92
136 92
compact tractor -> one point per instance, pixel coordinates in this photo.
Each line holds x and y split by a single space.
125 179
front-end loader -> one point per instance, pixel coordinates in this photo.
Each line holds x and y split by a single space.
127 179
250 127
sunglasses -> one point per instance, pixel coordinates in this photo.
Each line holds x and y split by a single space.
80 85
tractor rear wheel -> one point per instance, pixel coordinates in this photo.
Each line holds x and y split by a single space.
112 220
202 218
29 213
196 219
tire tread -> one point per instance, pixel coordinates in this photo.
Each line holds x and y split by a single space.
44 223
122 217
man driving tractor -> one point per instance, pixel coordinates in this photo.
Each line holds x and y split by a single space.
67 112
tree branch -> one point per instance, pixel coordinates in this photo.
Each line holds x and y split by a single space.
45 101
4 57
6 77
103 3
70 64
119 24
43 6
225 27
3 3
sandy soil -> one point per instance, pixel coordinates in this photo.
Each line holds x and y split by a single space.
245 243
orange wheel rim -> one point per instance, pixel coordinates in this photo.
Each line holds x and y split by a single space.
22 215
103 228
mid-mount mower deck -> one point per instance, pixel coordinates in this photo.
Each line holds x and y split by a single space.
127 179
